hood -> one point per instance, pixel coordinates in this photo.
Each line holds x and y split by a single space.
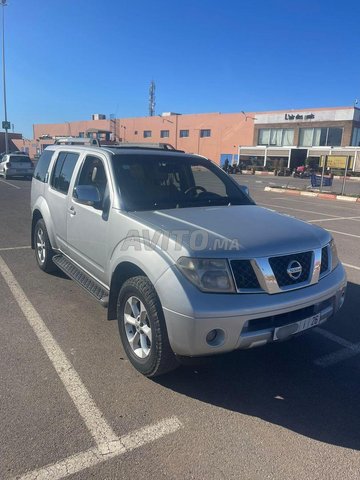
244 231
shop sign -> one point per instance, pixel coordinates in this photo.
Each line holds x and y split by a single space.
298 116
337 161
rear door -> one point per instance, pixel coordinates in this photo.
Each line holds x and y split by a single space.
57 196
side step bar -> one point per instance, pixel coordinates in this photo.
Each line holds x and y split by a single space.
82 278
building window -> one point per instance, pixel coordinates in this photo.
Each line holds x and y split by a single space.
320 137
136 132
276 137
164 133
81 134
205 133
184 133
147 133
356 137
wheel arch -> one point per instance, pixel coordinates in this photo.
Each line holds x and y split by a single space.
122 272
41 210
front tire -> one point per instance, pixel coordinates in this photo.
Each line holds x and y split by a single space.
142 328
43 250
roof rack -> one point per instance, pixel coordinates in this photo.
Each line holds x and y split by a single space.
96 143
77 141
163 146
154 146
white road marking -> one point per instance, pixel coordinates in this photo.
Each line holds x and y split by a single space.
108 444
339 356
348 265
93 418
333 219
333 337
350 349
11 184
343 233
5 249
308 200
298 210
94 456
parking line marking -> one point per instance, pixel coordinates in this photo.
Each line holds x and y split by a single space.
339 356
333 219
11 184
307 201
350 349
96 455
91 415
351 266
5 249
334 338
108 444
298 210
343 233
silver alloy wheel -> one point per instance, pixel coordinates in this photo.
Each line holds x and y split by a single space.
40 245
137 327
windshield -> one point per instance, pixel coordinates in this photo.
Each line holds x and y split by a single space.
150 182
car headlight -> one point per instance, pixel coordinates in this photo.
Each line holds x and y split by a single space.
334 255
208 274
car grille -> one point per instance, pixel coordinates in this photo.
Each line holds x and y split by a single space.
244 274
280 265
324 260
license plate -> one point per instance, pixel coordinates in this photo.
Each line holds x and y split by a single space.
283 332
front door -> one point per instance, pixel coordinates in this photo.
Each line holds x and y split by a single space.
87 226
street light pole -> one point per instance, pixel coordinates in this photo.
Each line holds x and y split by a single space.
5 124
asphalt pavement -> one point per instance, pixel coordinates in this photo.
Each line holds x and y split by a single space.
352 186
72 406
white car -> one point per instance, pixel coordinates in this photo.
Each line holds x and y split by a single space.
16 165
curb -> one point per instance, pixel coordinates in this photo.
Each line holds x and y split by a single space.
326 196
260 172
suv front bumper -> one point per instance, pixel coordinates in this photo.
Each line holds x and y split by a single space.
243 320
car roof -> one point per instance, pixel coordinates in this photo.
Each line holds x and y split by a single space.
131 150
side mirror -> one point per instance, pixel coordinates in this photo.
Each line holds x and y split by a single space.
245 190
87 195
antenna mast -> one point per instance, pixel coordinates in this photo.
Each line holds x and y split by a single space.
152 99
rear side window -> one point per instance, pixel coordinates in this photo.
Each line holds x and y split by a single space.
42 166
19 159
63 171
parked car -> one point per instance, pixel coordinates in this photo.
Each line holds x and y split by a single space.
16 165
177 251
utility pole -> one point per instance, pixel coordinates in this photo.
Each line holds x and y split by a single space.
5 123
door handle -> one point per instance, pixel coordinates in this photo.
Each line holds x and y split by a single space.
72 211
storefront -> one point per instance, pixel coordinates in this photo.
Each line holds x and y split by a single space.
288 139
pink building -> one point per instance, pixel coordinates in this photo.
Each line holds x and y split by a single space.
210 134
282 138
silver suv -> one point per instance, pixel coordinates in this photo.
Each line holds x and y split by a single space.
179 253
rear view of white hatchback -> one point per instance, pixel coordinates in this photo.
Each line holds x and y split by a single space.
16 165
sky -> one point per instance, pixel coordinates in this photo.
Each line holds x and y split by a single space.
68 59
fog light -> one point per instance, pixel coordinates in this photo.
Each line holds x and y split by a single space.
210 337
215 337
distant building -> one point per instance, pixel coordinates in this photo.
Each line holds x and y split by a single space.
17 142
265 139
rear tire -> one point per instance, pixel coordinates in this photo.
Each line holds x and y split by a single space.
43 250
142 328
